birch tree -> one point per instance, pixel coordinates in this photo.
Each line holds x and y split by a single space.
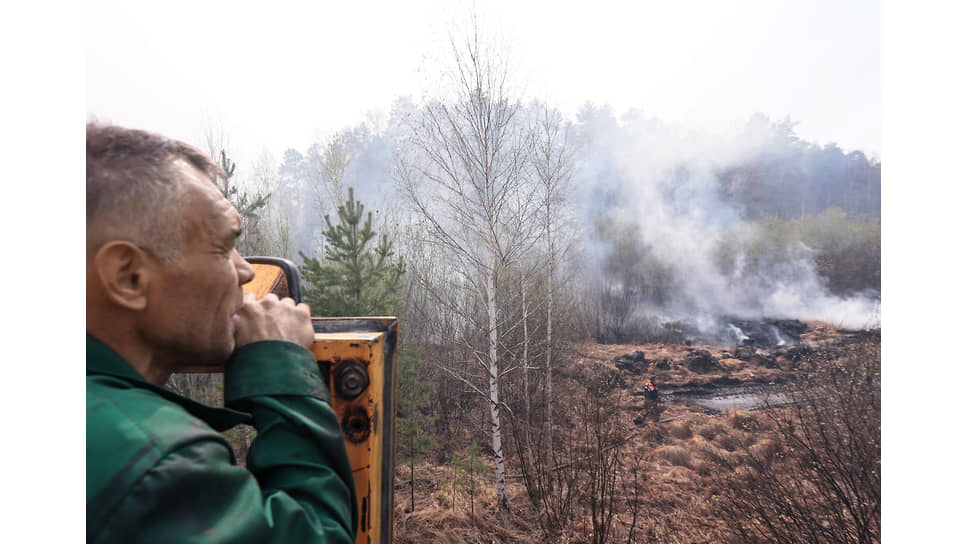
553 167
330 161
465 177
540 301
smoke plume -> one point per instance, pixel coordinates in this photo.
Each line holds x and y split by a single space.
678 193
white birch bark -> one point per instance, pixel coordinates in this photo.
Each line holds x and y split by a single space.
548 345
501 475
526 363
552 164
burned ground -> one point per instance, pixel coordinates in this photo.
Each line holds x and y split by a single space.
680 479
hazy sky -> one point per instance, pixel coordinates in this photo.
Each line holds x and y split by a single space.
278 75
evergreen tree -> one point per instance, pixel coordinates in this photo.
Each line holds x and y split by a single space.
414 442
247 205
472 465
354 277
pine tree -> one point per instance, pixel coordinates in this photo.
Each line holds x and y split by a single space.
414 442
472 465
247 205
354 278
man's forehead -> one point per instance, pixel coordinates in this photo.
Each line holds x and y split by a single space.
201 190
191 175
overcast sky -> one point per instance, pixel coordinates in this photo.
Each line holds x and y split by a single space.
278 75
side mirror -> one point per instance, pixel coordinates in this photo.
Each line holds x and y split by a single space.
274 275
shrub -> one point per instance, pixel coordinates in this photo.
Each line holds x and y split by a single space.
677 455
710 430
743 421
730 441
680 430
767 451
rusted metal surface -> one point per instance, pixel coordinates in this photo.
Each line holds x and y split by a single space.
365 404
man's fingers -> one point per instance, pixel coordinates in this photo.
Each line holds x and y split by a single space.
269 299
272 318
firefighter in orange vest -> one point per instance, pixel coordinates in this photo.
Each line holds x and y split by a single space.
651 394
651 409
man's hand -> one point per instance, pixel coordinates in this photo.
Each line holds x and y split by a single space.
269 318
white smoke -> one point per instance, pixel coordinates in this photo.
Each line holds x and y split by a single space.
663 179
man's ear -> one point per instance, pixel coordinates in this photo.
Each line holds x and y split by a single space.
124 271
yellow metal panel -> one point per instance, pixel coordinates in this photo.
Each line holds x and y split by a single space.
360 418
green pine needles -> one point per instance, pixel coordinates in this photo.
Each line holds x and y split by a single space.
358 275
414 415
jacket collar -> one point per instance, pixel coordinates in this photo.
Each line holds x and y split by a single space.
102 360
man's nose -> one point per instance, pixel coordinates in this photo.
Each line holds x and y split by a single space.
246 271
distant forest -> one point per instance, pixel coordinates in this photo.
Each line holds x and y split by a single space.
793 178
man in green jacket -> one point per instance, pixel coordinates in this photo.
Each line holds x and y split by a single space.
164 291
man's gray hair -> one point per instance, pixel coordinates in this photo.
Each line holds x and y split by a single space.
132 186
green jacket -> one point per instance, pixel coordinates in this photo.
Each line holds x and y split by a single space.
159 471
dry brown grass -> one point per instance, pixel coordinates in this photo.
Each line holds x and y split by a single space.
766 449
438 518
677 455
711 429
731 440
681 463
680 430
743 420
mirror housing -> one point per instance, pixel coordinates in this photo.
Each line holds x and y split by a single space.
274 275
